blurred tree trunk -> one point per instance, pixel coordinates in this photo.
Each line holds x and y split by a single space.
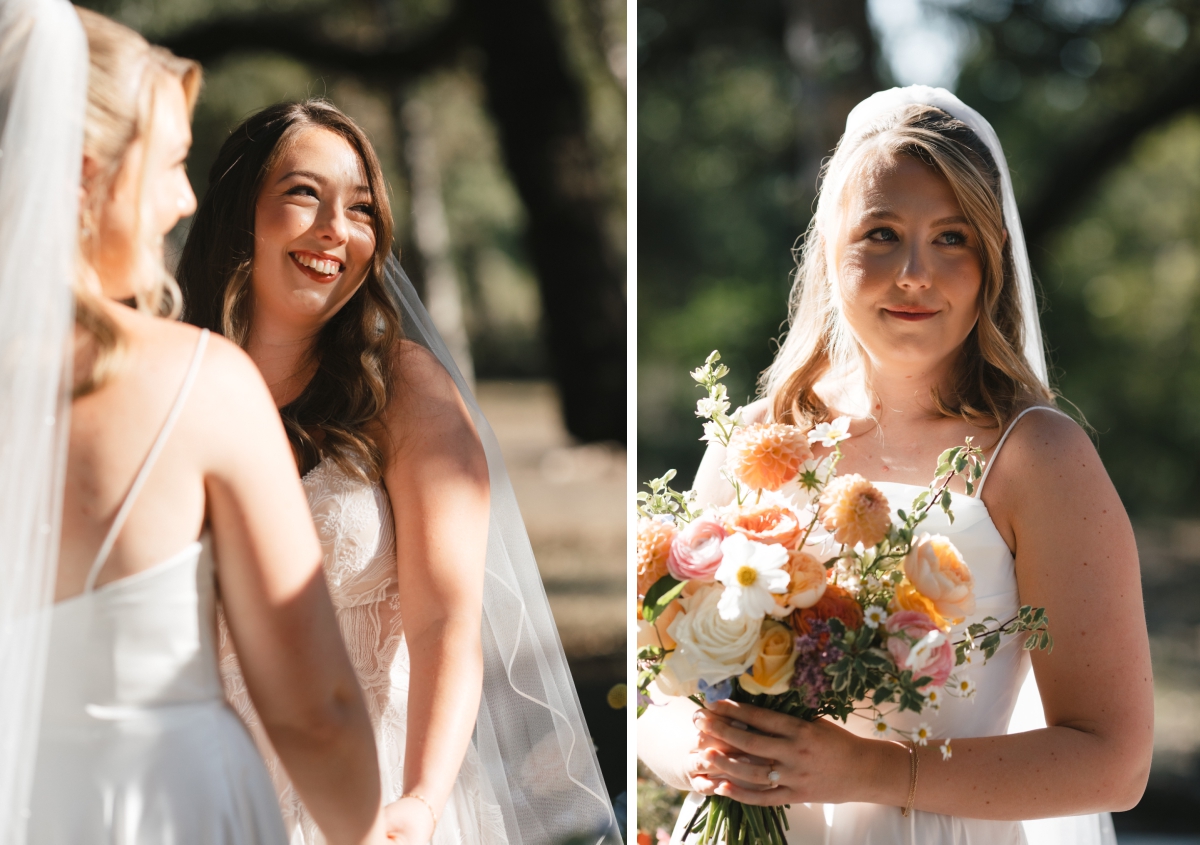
539 111
832 48
431 233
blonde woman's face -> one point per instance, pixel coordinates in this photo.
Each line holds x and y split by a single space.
148 196
908 265
314 234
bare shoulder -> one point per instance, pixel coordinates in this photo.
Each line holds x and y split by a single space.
1047 452
427 413
758 411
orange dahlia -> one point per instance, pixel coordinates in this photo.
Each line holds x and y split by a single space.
653 545
854 511
837 603
767 456
767 524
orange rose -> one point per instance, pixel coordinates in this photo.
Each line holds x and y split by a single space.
653 545
854 511
767 456
837 603
772 671
767 524
808 582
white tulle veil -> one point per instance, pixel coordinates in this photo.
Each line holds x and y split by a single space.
538 760
43 89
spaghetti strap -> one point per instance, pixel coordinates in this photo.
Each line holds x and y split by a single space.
996 452
148 464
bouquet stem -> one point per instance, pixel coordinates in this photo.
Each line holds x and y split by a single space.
723 820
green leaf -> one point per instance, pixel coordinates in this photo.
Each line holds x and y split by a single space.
664 591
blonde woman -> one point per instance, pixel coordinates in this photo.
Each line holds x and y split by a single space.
914 314
178 482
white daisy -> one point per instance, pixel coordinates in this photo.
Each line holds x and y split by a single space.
831 433
922 734
933 699
875 616
946 752
873 583
753 575
964 687
881 727
923 651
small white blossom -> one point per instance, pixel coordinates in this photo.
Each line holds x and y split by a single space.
964 687
923 651
946 752
881 727
831 433
922 734
933 699
753 575
715 404
873 583
875 616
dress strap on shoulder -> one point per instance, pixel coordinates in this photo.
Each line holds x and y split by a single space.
148 464
996 452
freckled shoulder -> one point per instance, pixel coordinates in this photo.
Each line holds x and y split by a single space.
1045 452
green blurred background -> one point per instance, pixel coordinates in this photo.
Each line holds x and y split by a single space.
1097 103
502 136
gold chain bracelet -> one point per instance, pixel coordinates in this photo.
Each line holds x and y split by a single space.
424 801
912 784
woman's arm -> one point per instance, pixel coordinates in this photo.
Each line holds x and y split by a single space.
276 604
1076 557
437 479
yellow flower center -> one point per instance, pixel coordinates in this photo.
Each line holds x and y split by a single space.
747 575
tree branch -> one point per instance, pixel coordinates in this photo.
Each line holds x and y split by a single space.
303 39
1079 166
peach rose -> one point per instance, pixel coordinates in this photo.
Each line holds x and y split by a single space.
653 545
937 571
696 551
808 582
773 668
837 603
854 511
767 523
767 456
916 643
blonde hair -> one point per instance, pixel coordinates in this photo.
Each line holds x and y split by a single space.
123 74
992 377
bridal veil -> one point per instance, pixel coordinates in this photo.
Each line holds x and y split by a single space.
43 90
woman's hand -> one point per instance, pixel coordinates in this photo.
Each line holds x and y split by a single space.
815 761
408 822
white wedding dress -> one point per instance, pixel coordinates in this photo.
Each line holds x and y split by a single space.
357 533
994 710
137 744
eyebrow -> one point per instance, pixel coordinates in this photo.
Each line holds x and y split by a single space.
889 214
320 180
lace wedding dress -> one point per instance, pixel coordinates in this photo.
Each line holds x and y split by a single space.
357 533
1005 701
138 745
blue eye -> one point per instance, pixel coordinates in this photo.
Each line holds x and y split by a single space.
953 238
882 235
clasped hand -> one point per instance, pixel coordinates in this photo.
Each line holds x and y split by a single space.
740 745
408 822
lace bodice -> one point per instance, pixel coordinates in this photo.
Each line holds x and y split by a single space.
356 529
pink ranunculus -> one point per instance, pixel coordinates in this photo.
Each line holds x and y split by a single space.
917 643
696 551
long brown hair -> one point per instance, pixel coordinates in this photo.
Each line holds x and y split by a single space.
992 377
332 416
123 72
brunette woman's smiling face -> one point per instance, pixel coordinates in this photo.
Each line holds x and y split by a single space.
908 265
314 235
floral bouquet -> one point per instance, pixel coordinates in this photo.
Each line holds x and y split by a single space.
814 603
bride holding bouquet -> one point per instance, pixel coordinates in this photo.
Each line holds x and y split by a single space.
913 328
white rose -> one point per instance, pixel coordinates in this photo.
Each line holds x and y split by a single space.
708 647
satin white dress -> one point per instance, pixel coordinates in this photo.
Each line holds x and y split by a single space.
1006 700
357 533
137 744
